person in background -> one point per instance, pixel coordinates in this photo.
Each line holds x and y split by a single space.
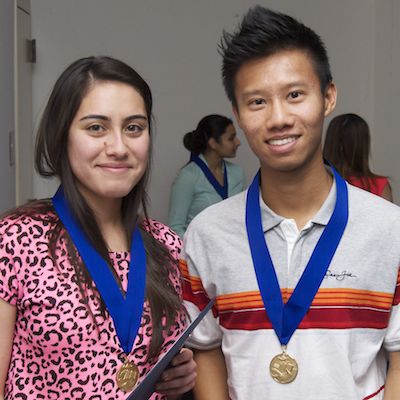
347 147
304 267
77 320
208 178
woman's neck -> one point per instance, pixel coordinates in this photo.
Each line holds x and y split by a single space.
214 161
215 164
109 219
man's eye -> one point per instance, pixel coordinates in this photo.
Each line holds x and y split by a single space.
294 95
258 102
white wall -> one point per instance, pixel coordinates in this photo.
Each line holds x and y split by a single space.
173 44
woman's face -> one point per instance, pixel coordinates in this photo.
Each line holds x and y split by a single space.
228 143
108 141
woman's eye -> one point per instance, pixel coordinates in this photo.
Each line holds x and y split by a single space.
134 129
95 128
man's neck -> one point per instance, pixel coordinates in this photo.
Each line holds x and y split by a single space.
298 195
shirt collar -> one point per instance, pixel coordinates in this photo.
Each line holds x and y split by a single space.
270 219
202 158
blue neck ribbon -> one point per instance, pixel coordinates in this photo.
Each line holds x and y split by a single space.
285 318
126 311
221 190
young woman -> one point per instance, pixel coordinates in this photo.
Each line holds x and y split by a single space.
207 178
347 147
90 292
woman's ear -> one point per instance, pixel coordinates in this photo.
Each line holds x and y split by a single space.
212 143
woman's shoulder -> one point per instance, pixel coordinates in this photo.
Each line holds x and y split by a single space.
28 216
232 167
188 174
164 234
190 169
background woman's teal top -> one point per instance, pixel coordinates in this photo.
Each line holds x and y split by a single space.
191 193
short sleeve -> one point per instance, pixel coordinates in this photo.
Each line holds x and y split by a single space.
208 334
10 258
392 338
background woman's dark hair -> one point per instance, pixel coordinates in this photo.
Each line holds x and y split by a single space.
51 159
211 126
347 146
264 32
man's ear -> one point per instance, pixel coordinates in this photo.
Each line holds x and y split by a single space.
330 98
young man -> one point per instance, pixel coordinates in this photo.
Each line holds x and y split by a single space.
304 268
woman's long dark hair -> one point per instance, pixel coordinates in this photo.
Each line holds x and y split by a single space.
347 147
51 159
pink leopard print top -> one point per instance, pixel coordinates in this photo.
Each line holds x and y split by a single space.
59 351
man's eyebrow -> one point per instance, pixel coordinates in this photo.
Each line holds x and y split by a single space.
285 86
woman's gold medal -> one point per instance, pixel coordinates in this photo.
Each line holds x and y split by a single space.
127 376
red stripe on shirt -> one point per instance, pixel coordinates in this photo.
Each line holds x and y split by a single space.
396 299
374 394
321 318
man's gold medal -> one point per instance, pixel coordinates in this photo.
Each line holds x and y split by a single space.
283 368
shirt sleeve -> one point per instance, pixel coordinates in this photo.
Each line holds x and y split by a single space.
392 338
208 333
181 198
9 258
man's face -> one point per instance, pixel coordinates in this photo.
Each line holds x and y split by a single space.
281 109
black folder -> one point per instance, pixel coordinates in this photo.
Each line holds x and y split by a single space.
146 387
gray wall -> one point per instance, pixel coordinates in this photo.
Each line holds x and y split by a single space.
173 44
7 129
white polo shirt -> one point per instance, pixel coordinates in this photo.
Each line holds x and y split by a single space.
340 344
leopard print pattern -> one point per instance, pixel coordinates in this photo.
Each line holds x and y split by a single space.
63 347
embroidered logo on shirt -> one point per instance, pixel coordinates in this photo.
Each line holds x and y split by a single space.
339 276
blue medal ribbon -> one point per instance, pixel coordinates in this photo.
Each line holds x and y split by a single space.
285 318
126 311
221 190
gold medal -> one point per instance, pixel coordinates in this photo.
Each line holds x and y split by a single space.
127 376
283 368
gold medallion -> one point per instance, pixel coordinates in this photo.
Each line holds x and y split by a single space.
127 376
283 368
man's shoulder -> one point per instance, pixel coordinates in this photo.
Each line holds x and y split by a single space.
361 201
366 207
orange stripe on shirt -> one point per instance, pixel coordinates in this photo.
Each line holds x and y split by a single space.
324 297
